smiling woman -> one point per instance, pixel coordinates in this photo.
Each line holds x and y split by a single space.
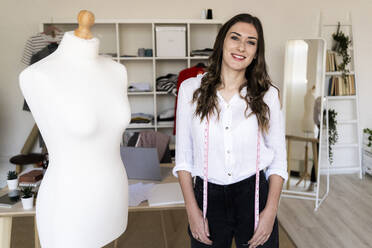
230 137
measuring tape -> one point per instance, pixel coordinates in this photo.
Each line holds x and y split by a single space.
205 172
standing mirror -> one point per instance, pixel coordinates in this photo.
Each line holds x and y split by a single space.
303 94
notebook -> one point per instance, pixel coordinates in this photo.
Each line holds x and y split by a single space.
165 194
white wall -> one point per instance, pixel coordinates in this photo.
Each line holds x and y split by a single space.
282 20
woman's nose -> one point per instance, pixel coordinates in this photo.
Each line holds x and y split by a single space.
241 47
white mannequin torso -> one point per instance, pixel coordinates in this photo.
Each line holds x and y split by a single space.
79 102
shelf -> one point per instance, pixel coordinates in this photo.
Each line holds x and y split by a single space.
347 122
140 125
338 73
336 25
136 58
142 93
345 169
165 125
353 97
170 58
199 57
164 93
345 145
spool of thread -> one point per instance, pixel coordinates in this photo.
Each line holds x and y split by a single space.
209 14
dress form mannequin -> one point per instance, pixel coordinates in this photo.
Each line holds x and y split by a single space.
309 101
79 102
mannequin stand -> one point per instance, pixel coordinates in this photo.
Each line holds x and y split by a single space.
305 175
314 141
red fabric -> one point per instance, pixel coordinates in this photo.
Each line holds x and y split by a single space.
183 75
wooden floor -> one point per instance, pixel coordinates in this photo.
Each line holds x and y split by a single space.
343 220
143 232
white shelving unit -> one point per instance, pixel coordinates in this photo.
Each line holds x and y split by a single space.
347 151
120 37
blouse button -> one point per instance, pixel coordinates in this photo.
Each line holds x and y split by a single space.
228 151
229 174
227 128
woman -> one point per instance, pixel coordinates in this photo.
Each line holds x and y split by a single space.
229 129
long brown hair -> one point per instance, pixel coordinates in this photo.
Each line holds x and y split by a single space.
257 84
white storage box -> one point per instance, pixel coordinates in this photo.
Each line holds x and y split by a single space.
170 41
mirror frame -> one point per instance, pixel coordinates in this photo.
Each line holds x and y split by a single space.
323 167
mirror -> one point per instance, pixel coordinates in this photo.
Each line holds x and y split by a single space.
304 75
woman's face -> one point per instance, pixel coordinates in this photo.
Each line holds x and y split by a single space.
240 46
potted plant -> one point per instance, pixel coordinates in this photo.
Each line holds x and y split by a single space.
12 180
341 45
368 138
27 197
332 131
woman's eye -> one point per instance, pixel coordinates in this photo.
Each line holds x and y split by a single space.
234 38
251 43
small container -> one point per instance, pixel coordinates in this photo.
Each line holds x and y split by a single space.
148 52
203 14
12 184
28 203
141 52
170 41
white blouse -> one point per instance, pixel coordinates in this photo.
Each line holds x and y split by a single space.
232 138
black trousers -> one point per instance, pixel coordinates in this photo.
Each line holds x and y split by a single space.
230 212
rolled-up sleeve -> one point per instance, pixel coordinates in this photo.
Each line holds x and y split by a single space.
184 143
275 138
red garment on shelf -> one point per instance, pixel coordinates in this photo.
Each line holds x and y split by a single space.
183 75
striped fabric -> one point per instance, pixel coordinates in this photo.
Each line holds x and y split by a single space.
36 43
167 83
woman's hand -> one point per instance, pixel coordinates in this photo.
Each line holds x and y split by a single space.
199 228
264 229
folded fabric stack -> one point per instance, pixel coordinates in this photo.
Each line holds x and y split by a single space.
166 115
141 118
31 178
138 87
167 83
202 52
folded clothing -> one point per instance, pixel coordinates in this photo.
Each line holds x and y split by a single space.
167 83
166 115
202 52
141 118
134 87
32 176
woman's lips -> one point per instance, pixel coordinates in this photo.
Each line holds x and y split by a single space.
237 57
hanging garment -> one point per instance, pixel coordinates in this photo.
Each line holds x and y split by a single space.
46 51
185 74
36 43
